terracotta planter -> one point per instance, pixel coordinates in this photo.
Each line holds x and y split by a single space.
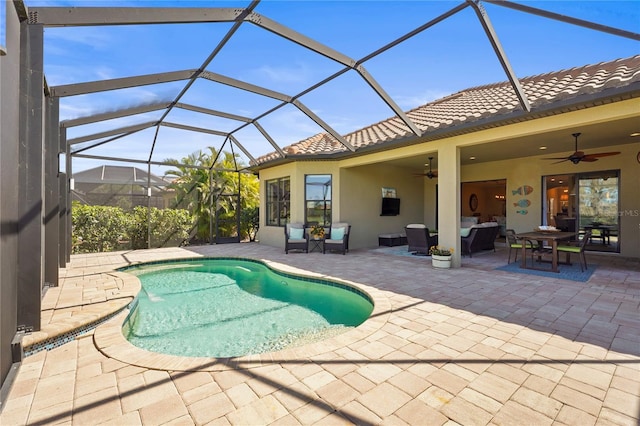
443 262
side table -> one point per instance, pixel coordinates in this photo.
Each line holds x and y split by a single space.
316 244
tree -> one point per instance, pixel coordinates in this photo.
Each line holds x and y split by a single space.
203 181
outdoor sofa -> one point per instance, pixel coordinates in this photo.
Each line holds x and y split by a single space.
479 237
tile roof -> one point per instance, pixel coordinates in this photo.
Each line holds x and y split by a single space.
476 106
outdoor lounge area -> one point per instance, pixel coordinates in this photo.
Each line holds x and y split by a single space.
468 345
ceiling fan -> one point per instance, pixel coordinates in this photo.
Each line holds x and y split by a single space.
430 174
579 156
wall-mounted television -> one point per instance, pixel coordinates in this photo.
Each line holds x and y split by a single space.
390 206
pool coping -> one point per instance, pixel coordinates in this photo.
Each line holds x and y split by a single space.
110 340
57 333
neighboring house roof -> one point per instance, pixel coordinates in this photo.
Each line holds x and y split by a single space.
482 106
118 175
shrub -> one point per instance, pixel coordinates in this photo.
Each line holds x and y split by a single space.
97 228
249 223
105 228
169 227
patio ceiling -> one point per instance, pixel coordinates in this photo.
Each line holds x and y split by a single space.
100 135
594 137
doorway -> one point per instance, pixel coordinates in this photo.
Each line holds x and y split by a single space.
485 201
585 201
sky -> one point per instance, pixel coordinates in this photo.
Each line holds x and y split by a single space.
448 57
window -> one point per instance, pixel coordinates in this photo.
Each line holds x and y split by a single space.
278 202
317 191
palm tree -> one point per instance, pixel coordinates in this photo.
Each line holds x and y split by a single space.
190 188
200 180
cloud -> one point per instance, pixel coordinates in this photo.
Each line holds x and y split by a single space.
296 73
418 99
96 38
86 105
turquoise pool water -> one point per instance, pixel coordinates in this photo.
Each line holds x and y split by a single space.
233 307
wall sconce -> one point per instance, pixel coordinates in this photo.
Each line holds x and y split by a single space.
499 197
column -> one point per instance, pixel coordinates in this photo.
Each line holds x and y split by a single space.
449 200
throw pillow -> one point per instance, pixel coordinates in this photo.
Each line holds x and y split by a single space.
296 233
337 233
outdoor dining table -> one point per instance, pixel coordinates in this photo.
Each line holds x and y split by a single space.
551 237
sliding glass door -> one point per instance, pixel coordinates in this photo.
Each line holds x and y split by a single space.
583 202
598 209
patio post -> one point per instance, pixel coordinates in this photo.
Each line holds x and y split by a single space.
449 200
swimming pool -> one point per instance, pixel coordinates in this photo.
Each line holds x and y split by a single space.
229 307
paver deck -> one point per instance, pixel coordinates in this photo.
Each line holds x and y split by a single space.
470 345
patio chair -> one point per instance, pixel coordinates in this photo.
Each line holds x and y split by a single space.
515 244
338 238
577 247
295 237
419 240
567 247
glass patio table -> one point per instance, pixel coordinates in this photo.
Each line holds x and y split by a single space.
551 237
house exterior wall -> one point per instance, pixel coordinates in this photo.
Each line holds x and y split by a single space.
358 181
361 202
529 171
274 235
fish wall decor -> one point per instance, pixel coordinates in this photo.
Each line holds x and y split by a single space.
523 190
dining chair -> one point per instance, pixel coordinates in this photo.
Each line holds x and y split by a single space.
515 244
577 248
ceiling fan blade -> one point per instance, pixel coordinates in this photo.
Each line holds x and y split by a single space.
602 154
579 156
429 175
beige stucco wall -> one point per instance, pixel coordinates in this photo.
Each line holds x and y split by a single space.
530 170
357 182
361 202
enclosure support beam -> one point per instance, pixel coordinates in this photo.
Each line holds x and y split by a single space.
148 205
500 53
30 177
51 192
567 19
68 217
114 114
95 16
113 132
119 83
64 233
268 137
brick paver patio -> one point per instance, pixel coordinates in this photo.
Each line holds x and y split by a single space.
468 346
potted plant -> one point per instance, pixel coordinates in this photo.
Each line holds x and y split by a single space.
317 232
440 257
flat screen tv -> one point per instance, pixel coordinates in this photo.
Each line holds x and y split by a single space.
390 206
